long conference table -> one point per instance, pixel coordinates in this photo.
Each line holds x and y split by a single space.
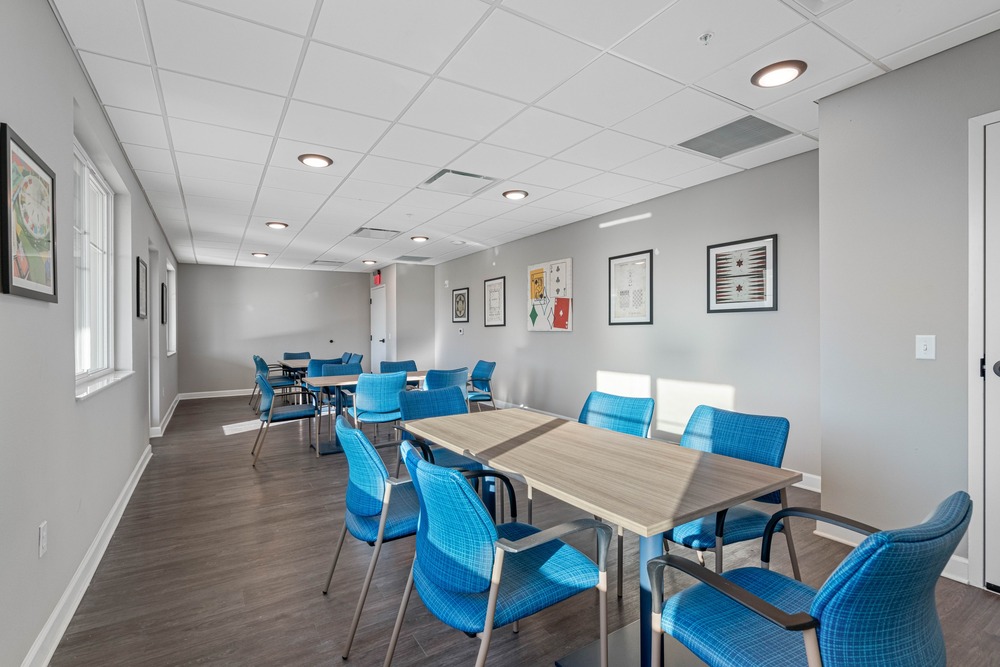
645 486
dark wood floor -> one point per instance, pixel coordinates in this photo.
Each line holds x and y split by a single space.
215 562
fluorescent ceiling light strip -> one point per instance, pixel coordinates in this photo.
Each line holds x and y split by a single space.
622 221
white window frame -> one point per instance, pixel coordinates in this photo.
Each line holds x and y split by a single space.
171 306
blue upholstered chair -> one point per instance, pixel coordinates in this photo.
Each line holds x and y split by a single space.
439 379
270 413
436 403
481 383
344 358
407 365
624 414
749 437
355 358
376 400
334 396
314 369
475 576
877 609
379 508
288 356
275 378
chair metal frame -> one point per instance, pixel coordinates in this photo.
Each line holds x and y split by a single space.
265 423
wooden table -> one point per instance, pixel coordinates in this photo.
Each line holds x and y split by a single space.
295 364
643 485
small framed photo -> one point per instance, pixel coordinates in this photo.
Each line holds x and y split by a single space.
460 305
630 288
141 293
495 300
27 221
163 303
743 275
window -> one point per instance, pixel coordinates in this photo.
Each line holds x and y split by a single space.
171 308
92 265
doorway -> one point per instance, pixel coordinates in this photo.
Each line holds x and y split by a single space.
378 328
991 347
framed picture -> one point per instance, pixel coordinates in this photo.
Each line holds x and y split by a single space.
163 303
141 294
550 296
27 221
460 305
743 275
495 300
630 288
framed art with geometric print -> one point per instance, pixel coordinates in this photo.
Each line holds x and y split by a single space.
743 275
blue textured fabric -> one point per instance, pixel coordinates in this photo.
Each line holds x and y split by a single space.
742 523
315 368
296 355
482 381
437 403
396 366
876 609
618 413
277 413
276 381
439 379
355 359
377 397
342 369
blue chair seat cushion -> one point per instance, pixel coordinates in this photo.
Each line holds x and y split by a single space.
710 624
480 396
280 381
374 417
281 413
449 459
742 523
531 581
404 509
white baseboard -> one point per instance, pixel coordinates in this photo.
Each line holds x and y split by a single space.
957 568
48 639
158 431
214 394
810 482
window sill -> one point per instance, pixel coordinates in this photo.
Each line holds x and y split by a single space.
171 353
86 389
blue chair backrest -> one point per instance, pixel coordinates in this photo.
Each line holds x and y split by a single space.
432 403
315 366
266 394
355 358
366 473
756 438
296 355
396 366
618 413
345 357
455 535
261 365
379 392
482 372
439 379
877 608
342 369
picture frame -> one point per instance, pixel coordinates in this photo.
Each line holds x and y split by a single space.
550 296
141 293
163 303
630 288
495 302
743 275
460 305
27 222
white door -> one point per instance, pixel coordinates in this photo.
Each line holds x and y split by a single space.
378 328
992 348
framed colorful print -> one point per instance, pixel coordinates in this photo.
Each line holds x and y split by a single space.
495 300
743 275
460 305
550 296
141 292
27 221
630 288
163 303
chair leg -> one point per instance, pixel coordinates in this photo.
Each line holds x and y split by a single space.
530 493
603 597
621 557
265 427
257 439
656 645
399 620
788 536
491 608
361 600
336 557
718 555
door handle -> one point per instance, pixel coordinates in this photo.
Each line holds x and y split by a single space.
382 340
996 368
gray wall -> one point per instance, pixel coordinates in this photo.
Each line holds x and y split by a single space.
414 332
227 314
64 461
771 359
894 263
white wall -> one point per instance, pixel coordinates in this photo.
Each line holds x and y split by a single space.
63 461
770 359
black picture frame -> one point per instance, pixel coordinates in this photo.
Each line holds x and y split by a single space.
495 302
27 222
460 305
141 291
630 288
163 303
743 275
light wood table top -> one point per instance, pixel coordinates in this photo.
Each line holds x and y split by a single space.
295 364
341 380
646 486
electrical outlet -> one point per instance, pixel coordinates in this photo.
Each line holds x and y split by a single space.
43 538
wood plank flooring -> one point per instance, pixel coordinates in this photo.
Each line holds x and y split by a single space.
218 563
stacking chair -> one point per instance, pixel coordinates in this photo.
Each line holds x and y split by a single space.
475 576
270 413
439 379
877 609
407 365
480 384
436 403
344 358
287 356
355 358
749 437
376 400
278 382
624 414
333 397
315 368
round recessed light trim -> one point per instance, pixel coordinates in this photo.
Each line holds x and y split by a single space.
369 262
420 239
778 74
315 160
274 224
259 254
515 194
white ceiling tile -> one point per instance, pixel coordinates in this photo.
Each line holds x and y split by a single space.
291 15
287 152
111 27
488 61
944 41
344 80
646 193
601 207
556 174
596 21
340 210
663 165
197 41
608 185
827 58
482 207
208 222
438 201
135 127
202 187
213 205
164 200
801 111
414 144
393 172
149 159
456 220
687 114
415 33
221 142
287 205
233 171
542 132
608 91
669 43
402 217
331 127
494 161
608 150
565 219
703 175
454 109
155 181
530 214
301 181
776 150
566 201
122 84
386 193
219 104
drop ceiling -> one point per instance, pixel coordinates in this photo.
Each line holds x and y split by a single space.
582 103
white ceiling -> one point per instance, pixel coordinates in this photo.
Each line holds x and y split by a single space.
580 102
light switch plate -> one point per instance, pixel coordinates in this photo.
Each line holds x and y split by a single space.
926 347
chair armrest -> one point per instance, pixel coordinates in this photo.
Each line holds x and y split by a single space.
798 621
476 474
808 513
395 481
425 450
604 533
346 392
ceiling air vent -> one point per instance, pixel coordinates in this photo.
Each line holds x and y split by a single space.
411 258
457 182
375 233
326 263
740 135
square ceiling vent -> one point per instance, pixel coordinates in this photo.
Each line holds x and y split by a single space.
375 233
457 182
740 135
326 264
411 258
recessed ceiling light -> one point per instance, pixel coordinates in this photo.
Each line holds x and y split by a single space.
778 74
419 239
315 160
274 224
259 254
369 262
515 194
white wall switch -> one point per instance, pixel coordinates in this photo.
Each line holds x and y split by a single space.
43 538
925 347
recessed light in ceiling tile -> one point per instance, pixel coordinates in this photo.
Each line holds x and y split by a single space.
274 224
419 239
515 194
368 262
259 254
315 160
778 74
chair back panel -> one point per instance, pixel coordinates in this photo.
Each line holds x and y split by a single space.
756 438
618 413
432 403
396 366
366 474
482 373
266 395
296 355
315 366
345 357
439 379
379 392
355 359
261 365
341 369
878 608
